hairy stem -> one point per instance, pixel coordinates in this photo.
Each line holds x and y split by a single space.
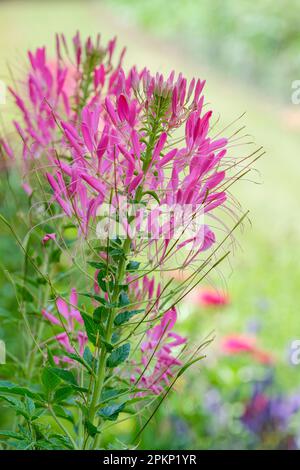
103 354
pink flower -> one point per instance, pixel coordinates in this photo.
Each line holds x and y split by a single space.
237 344
209 297
73 318
27 188
159 361
69 313
47 237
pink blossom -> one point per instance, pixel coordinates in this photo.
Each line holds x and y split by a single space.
209 297
69 318
237 344
159 360
47 237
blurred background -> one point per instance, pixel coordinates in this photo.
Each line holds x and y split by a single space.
246 394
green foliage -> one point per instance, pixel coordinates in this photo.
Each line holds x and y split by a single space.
118 356
111 412
94 329
125 316
258 41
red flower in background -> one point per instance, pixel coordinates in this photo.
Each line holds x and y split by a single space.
208 297
212 297
237 344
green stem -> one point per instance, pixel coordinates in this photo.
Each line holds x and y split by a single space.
42 303
62 427
103 355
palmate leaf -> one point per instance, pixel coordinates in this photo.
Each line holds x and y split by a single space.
97 264
55 442
13 389
118 356
22 444
109 394
27 409
64 375
14 435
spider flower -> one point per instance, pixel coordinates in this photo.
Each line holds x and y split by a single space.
69 319
110 148
159 360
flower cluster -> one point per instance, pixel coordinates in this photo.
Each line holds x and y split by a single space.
106 134
68 319
127 181
158 358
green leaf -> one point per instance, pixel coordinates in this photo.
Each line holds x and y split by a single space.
62 412
103 283
118 356
13 389
100 314
24 444
55 256
18 406
29 406
111 412
153 194
123 299
50 357
93 329
124 317
55 442
189 364
99 299
97 264
132 266
65 375
115 337
12 434
50 380
91 429
89 358
117 253
62 394
109 347
80 359
24 293
109 394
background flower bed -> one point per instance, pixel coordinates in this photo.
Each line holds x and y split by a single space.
264 285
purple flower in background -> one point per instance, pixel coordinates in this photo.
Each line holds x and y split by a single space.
269 417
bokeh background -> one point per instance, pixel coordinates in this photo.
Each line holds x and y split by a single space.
246 395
